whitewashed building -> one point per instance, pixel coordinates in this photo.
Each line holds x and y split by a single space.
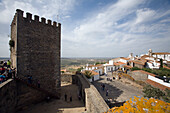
95 76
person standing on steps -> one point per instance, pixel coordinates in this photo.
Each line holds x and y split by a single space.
103 87
70 98
79 97
38 84
107 92
65 96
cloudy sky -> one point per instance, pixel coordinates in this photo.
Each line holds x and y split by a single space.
98 28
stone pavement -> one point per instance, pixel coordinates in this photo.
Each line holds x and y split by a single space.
60 106
118 91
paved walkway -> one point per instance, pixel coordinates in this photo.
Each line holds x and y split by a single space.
118 91
60 106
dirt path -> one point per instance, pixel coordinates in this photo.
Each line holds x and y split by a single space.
60 106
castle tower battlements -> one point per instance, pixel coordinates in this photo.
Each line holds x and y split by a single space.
29 18
36 50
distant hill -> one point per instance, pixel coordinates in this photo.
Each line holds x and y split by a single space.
4 58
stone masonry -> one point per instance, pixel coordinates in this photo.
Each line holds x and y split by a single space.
36 50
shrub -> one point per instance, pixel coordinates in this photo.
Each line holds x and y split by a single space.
150 91
79 69
11 43
88 74
135 68
142 105
147 69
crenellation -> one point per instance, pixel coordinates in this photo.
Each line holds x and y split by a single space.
59 25
29 16
54 23
43 20
49 22
36 18
20 12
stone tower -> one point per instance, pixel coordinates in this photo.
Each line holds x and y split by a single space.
150 52
36 50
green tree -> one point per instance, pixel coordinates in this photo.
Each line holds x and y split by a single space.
135 68
150 91
97 63
166 97
161 65
11 43
88 74
79 69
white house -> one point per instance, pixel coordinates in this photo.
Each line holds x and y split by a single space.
162 55
100 71
153 64
115 64
109 68
124 60
93 67
95 76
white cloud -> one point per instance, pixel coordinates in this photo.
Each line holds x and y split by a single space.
115 30
109 33
44 8
4 47
48 9
144 15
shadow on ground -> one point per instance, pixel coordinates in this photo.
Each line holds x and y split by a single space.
113 94
59 106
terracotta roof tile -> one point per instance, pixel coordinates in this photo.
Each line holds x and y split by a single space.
161 53
125 58
166 67
98 65
118 63
157 85
145 56
94 73
142 62
128 66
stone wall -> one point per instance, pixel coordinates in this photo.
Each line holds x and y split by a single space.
27 95
138 65
94 102
131 82
15 95
13 38
137 75
8 96
37 49
66 78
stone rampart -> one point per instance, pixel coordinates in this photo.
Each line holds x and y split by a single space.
94 102
15 95
66 78
137 75
8 96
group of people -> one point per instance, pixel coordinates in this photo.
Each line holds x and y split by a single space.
30 80
103 88
6 72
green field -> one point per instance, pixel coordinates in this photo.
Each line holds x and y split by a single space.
81 61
